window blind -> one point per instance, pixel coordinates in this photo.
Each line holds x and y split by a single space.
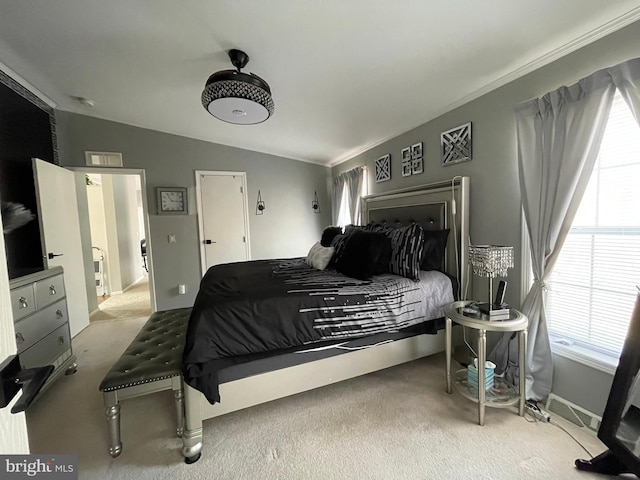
592 288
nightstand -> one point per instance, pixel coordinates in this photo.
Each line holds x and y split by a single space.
502 394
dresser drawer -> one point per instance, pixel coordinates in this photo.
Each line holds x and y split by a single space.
31 329
49 290
47 350
23 302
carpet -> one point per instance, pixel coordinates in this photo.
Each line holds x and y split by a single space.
133 302
398 423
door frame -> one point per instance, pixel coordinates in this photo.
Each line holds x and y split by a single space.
247 244
145 214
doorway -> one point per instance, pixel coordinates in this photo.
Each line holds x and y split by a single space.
121 249
223 219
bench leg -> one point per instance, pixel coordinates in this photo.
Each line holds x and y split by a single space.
113 422
179 397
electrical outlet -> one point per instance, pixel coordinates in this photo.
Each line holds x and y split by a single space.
536 412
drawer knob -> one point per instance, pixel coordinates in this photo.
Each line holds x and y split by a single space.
52 290
19 338
61 340
59 314
23 302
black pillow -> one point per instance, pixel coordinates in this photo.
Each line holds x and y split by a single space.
352 228
365 254
328 235
338 243
435 243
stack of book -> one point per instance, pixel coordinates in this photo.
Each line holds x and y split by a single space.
495 312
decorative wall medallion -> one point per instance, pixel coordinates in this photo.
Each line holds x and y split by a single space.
406 153
383 168
406 167
416 166
416 150
456 144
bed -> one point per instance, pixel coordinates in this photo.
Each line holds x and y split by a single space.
263 330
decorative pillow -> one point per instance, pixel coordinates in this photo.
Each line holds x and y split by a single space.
435 243
319 256
328 234
352 228
365 254
406 250
338 244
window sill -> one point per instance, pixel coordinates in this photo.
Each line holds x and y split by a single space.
590 358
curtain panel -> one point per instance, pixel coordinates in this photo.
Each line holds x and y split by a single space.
559 137
353 181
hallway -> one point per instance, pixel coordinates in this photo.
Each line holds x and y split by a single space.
134 302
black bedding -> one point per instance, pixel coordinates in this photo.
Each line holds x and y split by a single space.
249 310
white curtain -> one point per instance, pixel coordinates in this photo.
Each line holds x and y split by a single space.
559 137
353 181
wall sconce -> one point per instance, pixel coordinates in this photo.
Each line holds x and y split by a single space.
260 207
315 205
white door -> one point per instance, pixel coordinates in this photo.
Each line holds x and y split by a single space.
60 225
223 217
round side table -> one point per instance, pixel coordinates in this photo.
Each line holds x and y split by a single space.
502 394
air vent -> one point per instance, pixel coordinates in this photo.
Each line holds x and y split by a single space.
103 159
573 413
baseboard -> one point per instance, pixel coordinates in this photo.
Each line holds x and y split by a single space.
573 413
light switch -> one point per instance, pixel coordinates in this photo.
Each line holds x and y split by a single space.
172 239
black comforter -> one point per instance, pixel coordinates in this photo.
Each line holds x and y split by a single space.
248 310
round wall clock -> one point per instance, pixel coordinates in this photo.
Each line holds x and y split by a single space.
172 200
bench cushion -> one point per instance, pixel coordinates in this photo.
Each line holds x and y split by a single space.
155 353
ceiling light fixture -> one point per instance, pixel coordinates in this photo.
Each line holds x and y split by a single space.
236 97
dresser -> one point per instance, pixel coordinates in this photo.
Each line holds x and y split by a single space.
39 306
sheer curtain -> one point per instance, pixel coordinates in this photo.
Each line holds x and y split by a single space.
559 138
352 181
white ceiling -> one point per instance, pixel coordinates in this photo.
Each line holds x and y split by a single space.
345 74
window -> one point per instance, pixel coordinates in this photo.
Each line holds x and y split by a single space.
344 216
592 289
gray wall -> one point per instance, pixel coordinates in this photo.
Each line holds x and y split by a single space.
495 193
129 256
288 227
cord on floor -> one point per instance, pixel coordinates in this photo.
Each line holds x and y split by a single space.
539 415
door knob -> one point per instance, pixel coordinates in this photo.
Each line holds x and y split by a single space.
51 255
209 242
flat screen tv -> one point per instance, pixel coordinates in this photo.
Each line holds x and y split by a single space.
620 426
27 130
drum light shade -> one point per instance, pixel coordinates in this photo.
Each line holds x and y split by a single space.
236 97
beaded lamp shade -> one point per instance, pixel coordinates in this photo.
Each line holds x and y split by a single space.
490 261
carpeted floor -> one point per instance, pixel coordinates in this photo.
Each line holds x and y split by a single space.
133 302
395 424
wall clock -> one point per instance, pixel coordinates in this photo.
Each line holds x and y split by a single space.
172 200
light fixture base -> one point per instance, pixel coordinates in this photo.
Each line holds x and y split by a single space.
238 58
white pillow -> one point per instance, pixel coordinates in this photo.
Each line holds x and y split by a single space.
319 256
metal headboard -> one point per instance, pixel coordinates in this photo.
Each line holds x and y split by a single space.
433 207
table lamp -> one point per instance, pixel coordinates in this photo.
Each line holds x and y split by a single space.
491 261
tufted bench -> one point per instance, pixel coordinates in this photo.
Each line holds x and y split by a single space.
151 363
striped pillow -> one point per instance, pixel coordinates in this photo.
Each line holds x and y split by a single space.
406 249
